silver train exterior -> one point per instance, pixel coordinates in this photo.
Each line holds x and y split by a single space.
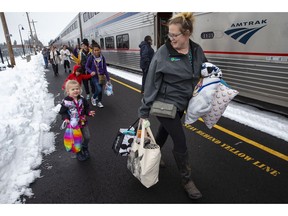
250 48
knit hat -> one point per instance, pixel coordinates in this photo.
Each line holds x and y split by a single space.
76 67
85 42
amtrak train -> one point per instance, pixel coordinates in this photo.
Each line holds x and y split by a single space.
250 48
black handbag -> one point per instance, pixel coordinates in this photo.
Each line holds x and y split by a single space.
124 139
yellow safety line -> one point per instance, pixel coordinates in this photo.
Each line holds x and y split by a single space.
238 136
128 86
251 142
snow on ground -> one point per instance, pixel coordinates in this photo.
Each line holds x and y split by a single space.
26 115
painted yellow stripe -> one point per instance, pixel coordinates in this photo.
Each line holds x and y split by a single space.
251 142
126 85
231 133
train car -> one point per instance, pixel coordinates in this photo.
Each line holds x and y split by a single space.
119 34
250 48
71 35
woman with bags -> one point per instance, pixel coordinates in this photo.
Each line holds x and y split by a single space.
174 72
97 63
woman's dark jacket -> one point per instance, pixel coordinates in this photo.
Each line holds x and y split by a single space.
171 77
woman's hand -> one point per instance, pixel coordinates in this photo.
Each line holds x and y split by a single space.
145 121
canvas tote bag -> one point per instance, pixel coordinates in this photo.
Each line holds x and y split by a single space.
144 158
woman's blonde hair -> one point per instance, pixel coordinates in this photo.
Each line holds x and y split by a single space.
185 19
72 82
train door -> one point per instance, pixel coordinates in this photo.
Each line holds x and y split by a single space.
161 28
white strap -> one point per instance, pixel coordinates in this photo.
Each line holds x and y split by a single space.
146 127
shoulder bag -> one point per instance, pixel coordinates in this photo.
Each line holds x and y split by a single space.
163 109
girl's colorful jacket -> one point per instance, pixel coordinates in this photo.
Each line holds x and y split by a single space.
75 111
91 63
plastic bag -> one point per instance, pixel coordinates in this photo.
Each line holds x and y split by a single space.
108 89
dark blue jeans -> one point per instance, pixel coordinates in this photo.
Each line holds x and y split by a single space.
46 61
86 86
98 90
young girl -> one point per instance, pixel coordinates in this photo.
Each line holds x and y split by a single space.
97 63
77 75
74 109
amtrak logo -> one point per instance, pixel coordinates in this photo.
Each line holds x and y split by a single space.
240 32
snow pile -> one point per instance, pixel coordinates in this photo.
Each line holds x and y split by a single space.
26 115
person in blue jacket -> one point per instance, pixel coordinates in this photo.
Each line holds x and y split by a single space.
146 55
97 63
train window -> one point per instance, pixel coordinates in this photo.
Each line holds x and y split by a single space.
109 43
70 29
102 43
88 15
122 41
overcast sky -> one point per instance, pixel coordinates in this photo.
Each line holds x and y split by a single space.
48 25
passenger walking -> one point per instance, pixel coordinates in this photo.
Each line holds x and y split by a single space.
54 58
75 54
77 75
146 55
76 50
75 107
65 58
174 72
97 63
45 53
84 54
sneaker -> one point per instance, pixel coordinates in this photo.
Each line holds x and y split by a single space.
88 97
93 101
99 104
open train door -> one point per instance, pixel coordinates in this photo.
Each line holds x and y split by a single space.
161 27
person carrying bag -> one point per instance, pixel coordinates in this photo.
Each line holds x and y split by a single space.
144 158
174 72
97 63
